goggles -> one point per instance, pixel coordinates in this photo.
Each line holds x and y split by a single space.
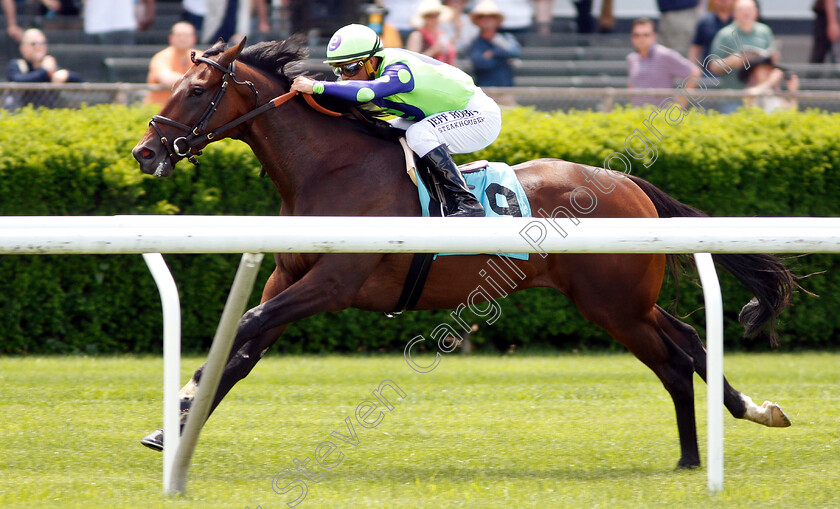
350 69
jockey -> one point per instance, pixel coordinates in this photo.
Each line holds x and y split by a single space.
437 104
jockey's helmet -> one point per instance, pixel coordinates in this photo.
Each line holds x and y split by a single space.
353 42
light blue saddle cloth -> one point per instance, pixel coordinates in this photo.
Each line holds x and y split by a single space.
495 186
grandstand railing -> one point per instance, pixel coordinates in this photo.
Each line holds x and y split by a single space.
74 95
606 98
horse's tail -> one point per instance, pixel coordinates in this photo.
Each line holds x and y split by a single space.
763 274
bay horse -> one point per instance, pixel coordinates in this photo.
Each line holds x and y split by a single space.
314 160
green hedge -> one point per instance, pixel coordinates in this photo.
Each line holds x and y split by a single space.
63 162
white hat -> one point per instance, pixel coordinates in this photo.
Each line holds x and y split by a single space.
486 8
430 7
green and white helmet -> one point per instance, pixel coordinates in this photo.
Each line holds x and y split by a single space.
353 42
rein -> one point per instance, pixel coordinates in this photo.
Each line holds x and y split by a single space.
182 146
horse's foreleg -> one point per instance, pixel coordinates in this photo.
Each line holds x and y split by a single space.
241 361
244 354
329 286
739 405
243 347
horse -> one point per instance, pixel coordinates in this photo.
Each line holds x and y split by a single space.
313 159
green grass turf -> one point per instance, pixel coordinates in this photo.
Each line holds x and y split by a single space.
513 431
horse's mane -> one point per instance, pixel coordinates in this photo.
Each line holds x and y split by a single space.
284 60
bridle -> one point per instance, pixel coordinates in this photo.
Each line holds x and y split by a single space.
183 145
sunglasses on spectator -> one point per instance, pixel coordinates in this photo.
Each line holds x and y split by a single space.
350 69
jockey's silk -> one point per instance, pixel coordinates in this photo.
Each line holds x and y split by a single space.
408 85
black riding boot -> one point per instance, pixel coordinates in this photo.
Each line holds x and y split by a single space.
441 164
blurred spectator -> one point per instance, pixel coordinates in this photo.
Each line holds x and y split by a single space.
653 65
492 53
258 25
46 8
10 13
320 17
170 64
543 15
220 21
826 30
676 23
428 38
377 20
708 26
231 20
460 28
390 36
765 76
52 8
519 15
36 66
752 35
193 12
606 20
115 21
584 19
399 14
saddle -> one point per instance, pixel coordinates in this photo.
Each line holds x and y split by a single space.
494 185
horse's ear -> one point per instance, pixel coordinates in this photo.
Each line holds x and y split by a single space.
231 53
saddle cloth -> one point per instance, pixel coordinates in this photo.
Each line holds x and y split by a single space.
495 186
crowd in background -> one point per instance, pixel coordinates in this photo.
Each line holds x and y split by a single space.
685 40
683 57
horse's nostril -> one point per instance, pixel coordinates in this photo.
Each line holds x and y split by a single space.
146 153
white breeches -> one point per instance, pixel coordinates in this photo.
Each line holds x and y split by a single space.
462 131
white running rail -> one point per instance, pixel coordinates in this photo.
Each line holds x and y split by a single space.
259 234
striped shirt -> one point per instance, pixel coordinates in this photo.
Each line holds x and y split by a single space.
660 69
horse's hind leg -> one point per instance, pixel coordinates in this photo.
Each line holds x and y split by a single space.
645 339
739 405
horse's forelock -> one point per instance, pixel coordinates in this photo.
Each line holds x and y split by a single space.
215 49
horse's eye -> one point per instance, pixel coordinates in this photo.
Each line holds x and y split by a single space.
197 91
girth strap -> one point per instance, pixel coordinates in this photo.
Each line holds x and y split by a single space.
415 281
421 263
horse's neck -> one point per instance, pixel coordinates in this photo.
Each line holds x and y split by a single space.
298 147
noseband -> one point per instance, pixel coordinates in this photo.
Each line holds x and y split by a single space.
183 145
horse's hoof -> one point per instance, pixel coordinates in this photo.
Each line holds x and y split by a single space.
778 419
687 464
154 440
